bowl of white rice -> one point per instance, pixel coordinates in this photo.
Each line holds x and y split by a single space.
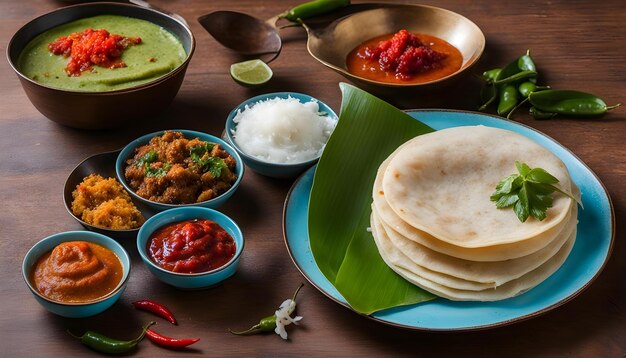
280 134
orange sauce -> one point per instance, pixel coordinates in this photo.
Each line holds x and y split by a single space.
77 271
370 69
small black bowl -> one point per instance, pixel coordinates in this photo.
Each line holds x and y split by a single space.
103 164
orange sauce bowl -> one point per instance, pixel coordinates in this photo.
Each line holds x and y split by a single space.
84 302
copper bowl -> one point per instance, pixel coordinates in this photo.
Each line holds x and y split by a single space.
99 110
330 43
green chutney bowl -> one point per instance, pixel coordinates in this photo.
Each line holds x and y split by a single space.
101 110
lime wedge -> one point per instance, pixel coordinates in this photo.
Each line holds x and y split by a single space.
251 73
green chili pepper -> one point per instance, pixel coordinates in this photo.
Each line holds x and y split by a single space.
537 114
523 63
523 102
508 71
508 99
526 63
491 75
488 94
313 8
266 324
526 88
515 77
572 103
104 344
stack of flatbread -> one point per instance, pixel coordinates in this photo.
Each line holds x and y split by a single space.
435 225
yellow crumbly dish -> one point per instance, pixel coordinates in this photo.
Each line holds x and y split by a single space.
104 203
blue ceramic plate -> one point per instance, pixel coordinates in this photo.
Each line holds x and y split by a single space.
593 246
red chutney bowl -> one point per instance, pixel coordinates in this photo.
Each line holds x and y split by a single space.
195 280
101 110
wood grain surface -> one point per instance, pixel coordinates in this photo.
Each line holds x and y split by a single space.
576 44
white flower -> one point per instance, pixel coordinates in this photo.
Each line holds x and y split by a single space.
283 317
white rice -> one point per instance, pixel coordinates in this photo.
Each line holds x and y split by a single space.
284 131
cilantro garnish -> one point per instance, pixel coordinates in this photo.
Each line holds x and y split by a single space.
198 151
150 157
157 172
529 192
213 165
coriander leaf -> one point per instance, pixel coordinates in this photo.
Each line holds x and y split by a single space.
521 211
156 172
506 201
505 186
541 176
216 165
543 189
529 192
543 200
538 213
198 151
568 195
522 168
150 157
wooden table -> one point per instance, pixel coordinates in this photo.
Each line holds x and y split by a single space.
577 45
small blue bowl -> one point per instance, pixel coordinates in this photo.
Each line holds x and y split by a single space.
274 170
190 280
129 150
76 310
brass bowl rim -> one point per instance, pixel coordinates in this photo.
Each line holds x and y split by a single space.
347 73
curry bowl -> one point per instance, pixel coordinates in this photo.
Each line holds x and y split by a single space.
104 165
72 309
129 151
263 167
95 109
331 43
190 280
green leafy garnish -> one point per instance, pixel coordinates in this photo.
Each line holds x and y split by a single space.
157 172
198 151
529 192
213 165
207 163
150 157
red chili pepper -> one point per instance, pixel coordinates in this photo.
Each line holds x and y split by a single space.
169 342
156 308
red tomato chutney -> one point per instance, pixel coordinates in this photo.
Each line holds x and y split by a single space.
92 47
405 58
191 246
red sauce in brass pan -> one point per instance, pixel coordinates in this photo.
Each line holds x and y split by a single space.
404 58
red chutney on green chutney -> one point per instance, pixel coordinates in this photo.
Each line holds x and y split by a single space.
92 47
404 58
191 246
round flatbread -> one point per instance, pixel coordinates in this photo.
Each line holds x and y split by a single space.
441 183
397 258
489 273
484 254
507 290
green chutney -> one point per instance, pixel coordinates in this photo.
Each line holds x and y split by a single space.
159 53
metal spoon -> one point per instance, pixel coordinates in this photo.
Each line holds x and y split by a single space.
248 35
243 33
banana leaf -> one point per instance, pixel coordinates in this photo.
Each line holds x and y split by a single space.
368 130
